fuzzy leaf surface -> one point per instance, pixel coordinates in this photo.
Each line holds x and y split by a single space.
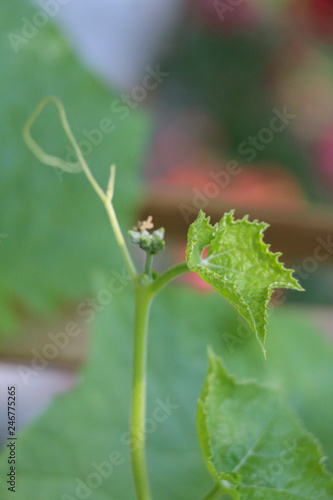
254 445
239 265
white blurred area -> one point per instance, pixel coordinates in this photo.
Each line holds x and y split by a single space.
33 394
118 38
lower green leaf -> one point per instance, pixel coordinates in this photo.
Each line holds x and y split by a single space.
253 444
86 425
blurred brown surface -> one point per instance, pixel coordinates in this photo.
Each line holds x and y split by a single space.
23 347
31 343
294 233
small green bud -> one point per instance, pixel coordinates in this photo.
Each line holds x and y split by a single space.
158 242
150 243
135 237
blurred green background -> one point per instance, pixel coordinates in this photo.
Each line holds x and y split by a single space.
224 72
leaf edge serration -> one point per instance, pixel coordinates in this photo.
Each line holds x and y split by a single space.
194 262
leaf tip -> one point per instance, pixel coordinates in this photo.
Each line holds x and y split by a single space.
211 355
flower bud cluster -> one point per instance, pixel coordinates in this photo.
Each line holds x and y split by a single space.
150 243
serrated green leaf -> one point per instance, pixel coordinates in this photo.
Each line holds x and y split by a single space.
253 444
238 265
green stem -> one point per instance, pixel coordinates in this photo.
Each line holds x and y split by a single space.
214 494
143 298
166 277
149 264
138 412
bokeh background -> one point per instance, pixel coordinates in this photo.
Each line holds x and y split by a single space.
201 104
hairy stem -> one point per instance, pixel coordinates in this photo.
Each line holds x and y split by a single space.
166 277
138 412
143 298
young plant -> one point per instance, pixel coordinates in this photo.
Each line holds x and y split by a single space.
253 445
